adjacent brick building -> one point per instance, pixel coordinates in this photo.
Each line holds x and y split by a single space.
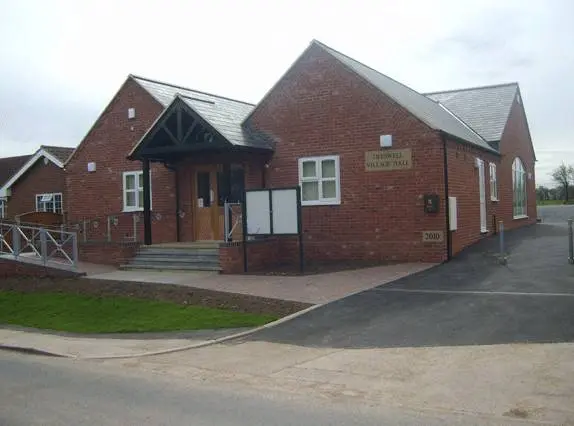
386 173
34 183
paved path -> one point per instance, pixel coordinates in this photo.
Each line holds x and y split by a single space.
472 300
118 345
315 289
51 392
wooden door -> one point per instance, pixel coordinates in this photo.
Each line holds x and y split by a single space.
207 222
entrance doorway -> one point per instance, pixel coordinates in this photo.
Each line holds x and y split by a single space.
214 186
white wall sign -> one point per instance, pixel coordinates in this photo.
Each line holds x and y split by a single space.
285 218
258 212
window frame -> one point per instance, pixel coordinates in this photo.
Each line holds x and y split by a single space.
519 212
493 182
136 208
38 197
321 201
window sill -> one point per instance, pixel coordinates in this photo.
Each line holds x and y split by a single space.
520 217
494 200
484 231
320 203
132 210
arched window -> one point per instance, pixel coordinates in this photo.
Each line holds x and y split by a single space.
519 188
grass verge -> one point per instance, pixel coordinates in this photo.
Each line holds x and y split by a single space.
89 314
553 202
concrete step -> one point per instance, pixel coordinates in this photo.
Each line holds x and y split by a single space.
168 262
178 253
186 246
176 259
170 267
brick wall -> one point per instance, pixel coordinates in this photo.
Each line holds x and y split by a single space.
261 255
39 179
15 269
516 142
98 194
463 183
104 253
321 108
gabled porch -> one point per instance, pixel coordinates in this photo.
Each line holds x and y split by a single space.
214 159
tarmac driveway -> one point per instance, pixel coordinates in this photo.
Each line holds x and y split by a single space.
472 300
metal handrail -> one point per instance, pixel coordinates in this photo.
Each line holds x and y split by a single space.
229 224
12 237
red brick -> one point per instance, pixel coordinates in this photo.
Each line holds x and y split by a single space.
99 194
13 268
39 179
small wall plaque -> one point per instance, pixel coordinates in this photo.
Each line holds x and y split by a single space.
433 236
396 159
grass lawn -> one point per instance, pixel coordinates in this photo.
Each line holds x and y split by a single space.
87 314
553 202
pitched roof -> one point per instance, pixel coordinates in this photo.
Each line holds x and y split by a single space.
60 152
226 118
10 165
424 108
485 109
224 114
56 155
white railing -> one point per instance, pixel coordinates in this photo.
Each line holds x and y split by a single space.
39 245
232 220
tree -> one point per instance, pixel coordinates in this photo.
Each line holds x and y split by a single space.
542 193
563 176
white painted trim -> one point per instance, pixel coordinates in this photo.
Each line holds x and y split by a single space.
491 167
128 209
337 179
41 153
53 194
482 195
523 173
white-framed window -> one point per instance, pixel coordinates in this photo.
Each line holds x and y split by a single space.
2 209
133 191
320 180
493 182
519 189
49 203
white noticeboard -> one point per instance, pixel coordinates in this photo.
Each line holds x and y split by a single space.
258 212
285 218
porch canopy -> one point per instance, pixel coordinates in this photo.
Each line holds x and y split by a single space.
197 127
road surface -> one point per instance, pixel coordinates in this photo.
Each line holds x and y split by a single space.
556 213
51 391
472 300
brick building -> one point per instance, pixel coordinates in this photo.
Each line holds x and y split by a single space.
380 165
33 183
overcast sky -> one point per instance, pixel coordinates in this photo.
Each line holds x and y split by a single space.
62 61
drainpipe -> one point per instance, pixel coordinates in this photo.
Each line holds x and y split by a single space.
446 200
177 201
